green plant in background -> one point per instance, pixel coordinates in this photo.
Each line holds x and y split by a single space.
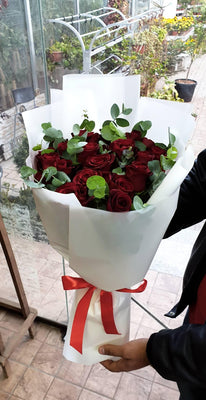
168 92
150 60
196 44
174 49
21 152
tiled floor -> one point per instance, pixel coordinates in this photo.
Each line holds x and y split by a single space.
39 371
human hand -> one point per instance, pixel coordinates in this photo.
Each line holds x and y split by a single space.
133 355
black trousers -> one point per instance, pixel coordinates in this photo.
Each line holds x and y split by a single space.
188 391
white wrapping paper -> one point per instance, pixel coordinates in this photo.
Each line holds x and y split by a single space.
94 334
109 250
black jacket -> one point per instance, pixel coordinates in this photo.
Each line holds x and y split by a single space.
180 354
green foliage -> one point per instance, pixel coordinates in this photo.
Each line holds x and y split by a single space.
110 130
148 57
21 152
168 92
97 187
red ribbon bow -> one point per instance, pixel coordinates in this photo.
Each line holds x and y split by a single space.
106 302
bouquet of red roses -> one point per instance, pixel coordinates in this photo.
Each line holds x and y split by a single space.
111 170
105 196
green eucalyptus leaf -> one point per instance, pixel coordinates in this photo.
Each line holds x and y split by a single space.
142 126
126 111
141 146
95 181
83 124
107 122
37 147
137 203
166 163
49 186
99 193
145 125
118 171
155 168
172 153
27 171
172 139
107 133
113 126
56 182
122 122
62 176
161 146
34 185
48 173
51 134
46 125
47 151
76 129
115 111
90 126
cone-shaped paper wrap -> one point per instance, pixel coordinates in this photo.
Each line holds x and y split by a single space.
109 250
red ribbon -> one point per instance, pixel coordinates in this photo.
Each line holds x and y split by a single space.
106 302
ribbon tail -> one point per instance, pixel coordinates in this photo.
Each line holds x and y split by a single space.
77 332
106 301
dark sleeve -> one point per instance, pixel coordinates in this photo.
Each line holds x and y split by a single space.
180 354
191 207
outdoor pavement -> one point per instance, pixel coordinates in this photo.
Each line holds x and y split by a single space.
39 371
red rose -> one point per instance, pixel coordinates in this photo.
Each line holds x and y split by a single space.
122 183
38 176
101 161
119 145
64 165
68 187
144 157
82 176
93 137
157 151
81 193
118 201
90 149
134 135
138 172
46 160
62 147
148 142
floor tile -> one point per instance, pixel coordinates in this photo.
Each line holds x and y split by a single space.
55 337
42 331
160 392
168 282
74 373
33 385
161 299
4 396
88 395
11 321
61 390
48 359
165 382
26 350
102 381
146 373
6 334
132 387
8 384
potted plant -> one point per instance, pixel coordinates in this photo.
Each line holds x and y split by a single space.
56 52
194 46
